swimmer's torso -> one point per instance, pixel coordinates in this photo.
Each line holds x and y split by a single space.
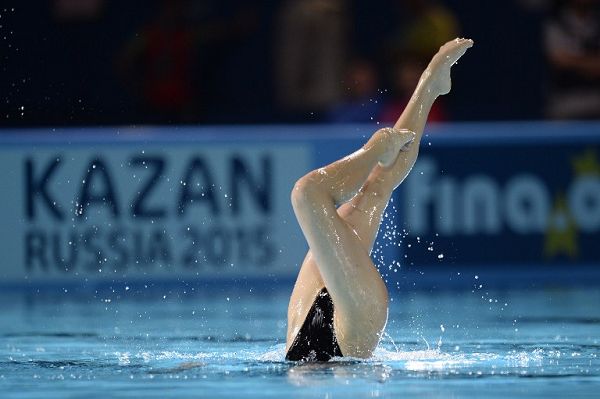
358 341
316 340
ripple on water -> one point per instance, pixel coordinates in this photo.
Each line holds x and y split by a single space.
534 362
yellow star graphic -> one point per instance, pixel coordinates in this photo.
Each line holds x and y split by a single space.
586 163
561 235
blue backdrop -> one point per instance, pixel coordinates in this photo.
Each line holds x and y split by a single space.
508 204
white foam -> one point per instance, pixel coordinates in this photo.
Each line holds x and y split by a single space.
418 360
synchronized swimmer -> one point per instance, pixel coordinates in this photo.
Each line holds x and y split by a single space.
339 305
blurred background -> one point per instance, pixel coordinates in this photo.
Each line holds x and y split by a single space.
147 153
98 62
168 133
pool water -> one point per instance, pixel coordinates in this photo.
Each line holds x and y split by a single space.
223 344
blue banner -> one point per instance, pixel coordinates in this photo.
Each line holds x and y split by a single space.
523 199
91 206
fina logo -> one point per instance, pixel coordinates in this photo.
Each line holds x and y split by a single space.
479 204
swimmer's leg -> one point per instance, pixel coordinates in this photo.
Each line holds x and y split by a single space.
359 220
434 81
364 211
344 264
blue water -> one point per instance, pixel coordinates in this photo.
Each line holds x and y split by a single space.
220 344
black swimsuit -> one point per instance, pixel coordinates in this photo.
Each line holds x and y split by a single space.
316 339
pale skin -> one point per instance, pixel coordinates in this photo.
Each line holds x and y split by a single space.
339 208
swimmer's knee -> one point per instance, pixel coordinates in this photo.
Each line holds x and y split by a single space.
305 191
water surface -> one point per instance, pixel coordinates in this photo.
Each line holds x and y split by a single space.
525 343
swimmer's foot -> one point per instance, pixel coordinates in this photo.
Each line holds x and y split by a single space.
394 141
437 74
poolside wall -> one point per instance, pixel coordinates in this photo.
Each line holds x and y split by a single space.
505 203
